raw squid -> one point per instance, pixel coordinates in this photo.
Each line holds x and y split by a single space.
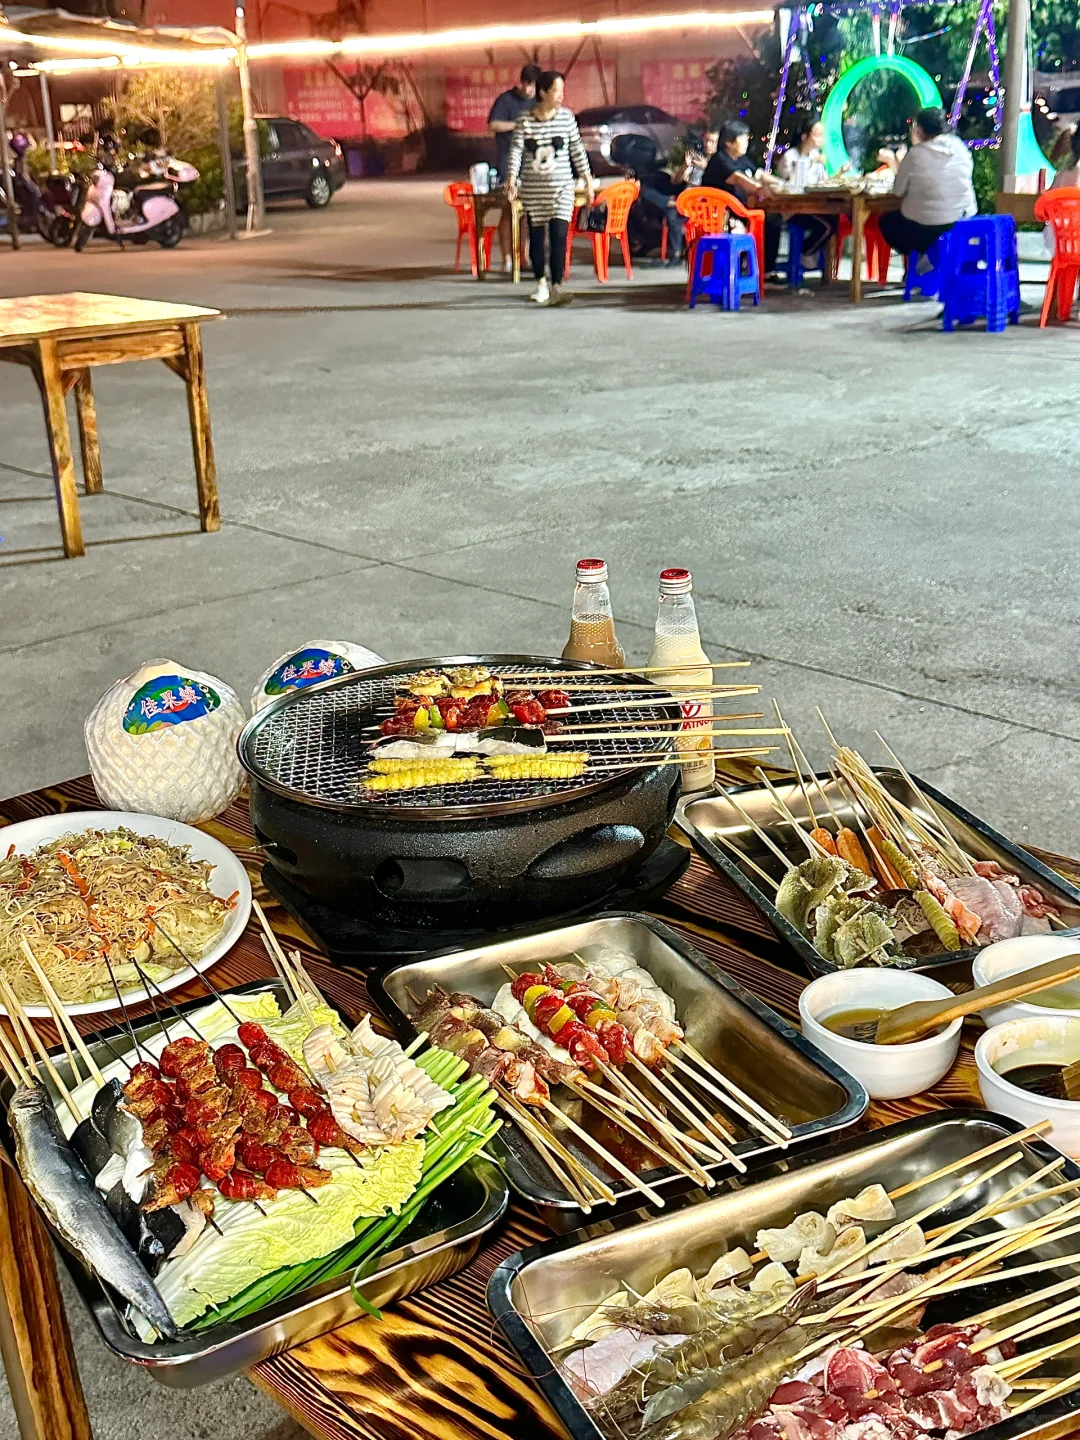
871 1203
786 1243
814 1261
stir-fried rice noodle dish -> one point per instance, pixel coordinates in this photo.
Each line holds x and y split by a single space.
100 898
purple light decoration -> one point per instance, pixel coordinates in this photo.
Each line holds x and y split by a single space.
781 94
995 71
961 89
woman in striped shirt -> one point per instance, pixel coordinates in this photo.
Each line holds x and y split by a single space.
545 154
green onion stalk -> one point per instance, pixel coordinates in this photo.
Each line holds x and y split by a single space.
453 1138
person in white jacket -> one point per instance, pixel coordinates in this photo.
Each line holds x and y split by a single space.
933 184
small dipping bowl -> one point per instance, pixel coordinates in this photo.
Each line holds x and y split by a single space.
1007 957
888 1072
1048 1040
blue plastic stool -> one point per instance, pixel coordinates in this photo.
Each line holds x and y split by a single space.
796 242
718 270
929 283
980 273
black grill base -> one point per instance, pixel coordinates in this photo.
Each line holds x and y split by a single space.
349 942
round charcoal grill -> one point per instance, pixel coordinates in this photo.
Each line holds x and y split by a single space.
475 851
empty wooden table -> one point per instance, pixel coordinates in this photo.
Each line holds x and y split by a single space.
60 337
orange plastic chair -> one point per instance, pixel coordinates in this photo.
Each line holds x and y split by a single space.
459 194
1061 209
878 252
618 198
705 210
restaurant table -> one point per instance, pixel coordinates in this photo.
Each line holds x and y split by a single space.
60 337
434 1367
498 200
835 202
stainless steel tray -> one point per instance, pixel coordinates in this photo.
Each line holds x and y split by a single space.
538 1295
710 816
442 1241
733 1029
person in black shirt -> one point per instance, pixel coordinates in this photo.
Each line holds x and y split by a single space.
731 169
501 121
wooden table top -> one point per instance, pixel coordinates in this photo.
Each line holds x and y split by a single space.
435 1367
82 312
824 202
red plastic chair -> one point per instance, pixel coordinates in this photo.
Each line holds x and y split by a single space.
876 247
459 194
618 198
705 210
1061 209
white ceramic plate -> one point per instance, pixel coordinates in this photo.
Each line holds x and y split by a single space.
228 876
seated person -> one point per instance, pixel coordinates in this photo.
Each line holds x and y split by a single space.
660 186
1068 175
933 183
731 169
803 164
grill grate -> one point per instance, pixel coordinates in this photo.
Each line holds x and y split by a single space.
315 746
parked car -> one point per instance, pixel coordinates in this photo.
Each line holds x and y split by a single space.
600 126
297 163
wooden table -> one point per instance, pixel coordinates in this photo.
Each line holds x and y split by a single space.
435 1367
498 200
60 337
830 202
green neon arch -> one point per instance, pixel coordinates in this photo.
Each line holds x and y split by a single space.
832 117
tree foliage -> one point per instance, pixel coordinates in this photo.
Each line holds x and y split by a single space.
179 104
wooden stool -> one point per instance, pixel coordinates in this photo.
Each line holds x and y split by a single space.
59 337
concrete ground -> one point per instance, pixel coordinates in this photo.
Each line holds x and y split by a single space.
877 514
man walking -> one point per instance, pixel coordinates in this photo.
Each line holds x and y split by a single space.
501 122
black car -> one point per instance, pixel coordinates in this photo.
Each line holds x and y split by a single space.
297 164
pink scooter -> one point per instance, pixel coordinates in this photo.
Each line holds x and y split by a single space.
141 209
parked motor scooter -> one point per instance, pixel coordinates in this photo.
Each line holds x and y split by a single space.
24 190
58 209
139 205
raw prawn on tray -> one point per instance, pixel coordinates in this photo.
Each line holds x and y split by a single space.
237 1153
889 1314
871 873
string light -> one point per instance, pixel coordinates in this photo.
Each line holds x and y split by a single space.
112 52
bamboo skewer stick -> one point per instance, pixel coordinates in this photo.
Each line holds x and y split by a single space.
1029 1133
1061 1388
550 1151
9 1070
784 812
730 798
883 1239
950 840
946 1232
1003 1206
746 1116
706 1125
628 670
1051 1319
735 1090
717 1122
624 1103
745 859
1011 1370
676 721
63 1019
14 1004
12 1060
609 1159
683 1162
663 734
795 765
1022 1302
277 954
709 1126
678 757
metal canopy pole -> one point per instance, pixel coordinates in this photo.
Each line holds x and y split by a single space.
255 211
225 146
46 106
5 168
1015 87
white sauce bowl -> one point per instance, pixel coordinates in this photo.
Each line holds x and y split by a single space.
1007 957
1048 1040
889 1072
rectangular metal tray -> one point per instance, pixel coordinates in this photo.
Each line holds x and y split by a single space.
443 1240
705 818
732 1028
538 1295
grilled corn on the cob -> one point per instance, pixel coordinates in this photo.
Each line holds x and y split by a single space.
415 774
541 767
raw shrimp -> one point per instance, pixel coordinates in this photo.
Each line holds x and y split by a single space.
710 1406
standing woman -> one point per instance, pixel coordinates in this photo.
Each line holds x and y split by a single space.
545 155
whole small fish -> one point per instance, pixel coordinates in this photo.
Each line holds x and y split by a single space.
69 1198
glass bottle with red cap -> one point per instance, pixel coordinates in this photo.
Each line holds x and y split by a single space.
592 625
676 644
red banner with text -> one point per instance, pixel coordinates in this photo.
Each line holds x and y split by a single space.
678 86
316 96
471 92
